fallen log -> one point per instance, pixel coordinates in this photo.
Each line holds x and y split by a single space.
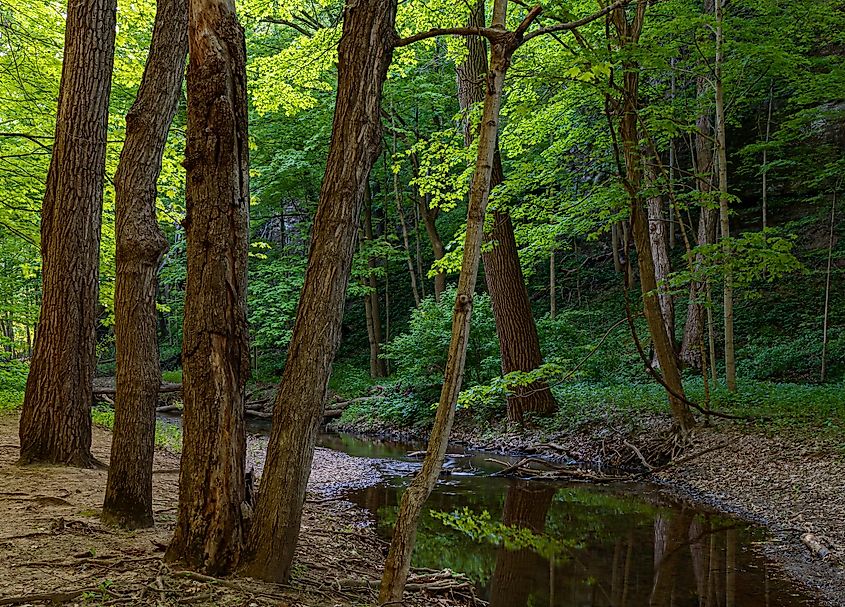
111 390
169 409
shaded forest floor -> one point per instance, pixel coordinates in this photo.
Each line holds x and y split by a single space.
54 547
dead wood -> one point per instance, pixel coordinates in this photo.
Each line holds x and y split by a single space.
111 390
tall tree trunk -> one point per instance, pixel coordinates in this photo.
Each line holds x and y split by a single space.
552 286
660 253
364 54
429 217
140 246
704 170
377 367
400 210
826 313
398 561
215 350
519 343
628 32
724 218
55 424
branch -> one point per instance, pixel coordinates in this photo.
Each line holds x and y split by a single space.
32 138
563 27
487 32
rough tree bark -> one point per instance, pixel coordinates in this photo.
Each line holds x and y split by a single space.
140 246
364 54
55 424
628 32
215 349
518 340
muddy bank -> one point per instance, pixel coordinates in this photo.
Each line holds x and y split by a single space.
54 548
789 483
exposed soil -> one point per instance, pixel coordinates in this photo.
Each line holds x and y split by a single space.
54 548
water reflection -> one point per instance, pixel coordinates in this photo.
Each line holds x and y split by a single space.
623 546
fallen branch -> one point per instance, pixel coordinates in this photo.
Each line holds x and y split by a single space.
48 597
111 390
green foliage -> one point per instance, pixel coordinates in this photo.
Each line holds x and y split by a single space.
350 381
167 435
481 527
172 376
420 353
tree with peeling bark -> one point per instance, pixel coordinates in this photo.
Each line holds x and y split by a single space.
515 326
215 350
140 246
55 424
364 54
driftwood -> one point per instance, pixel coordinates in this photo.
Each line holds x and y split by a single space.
815 545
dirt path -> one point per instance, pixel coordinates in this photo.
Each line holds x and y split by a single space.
53 544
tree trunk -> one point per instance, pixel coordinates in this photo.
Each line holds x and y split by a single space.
515 327
703 170
215 350
398 561
140 246
55 424
724 218
660 253
364 54
429 216
628 33
552 286
377 367
400 210
826 313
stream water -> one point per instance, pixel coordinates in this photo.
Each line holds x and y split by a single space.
575 545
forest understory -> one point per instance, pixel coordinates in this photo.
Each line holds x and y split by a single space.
56 550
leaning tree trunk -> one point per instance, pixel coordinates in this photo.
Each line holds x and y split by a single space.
364 54
55 422
215 349
628 33
140 245
398 561
518 340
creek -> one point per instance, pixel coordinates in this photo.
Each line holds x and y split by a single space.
576 545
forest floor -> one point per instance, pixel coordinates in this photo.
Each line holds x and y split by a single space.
53 548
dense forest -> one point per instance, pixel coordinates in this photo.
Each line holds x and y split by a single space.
605 238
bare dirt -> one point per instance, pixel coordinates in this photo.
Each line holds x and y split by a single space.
53 547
